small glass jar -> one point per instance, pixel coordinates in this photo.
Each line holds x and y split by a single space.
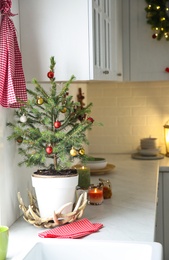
95 195
107 190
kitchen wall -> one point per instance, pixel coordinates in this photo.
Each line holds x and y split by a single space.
12 177
129 111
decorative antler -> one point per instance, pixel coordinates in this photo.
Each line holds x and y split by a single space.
32 216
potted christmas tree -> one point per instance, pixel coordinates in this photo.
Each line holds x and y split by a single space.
50 130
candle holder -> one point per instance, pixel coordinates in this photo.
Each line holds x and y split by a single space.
95 195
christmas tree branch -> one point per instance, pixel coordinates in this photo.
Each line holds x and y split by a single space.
52 63
39 88
66 87
39 137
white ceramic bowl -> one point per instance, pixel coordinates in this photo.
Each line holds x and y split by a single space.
97 163
149 152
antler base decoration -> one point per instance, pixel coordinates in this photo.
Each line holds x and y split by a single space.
32 216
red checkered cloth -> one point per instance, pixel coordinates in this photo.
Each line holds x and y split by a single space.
75 229
12 80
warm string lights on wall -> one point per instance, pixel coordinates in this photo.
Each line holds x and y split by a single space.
158 17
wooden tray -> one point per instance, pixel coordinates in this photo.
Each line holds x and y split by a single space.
143 157
105 170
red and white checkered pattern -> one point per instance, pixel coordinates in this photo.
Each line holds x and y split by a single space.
5 6
12 80
75 229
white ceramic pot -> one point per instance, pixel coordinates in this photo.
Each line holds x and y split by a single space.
53 192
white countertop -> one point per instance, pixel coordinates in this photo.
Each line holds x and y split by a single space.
128 216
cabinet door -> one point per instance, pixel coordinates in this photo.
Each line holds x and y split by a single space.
162 223
107 64
79 33
147 57
102 38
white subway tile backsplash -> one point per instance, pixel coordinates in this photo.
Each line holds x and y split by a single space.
131 102
143 111
146 92
129 111
132 120
158 101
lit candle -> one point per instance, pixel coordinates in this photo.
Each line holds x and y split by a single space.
95 195
84 177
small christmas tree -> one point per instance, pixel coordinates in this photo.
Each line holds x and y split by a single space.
51 128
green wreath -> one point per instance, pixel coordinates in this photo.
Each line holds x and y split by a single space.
158 17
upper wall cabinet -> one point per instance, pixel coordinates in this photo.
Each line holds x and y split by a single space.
144 58
83 35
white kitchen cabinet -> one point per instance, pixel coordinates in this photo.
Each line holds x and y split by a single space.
162 216
144 58
83 35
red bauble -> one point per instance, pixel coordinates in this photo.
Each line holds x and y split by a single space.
57 124
167 69
154 36
49 149
50 74
19 139
90 119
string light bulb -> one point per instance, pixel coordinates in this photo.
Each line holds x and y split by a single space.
162 19
166 35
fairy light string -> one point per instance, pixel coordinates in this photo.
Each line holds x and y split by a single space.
158 17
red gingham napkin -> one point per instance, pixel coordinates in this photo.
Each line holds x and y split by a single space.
76 229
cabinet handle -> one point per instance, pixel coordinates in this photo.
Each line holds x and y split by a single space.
105 72
119 74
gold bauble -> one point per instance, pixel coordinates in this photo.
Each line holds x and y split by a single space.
73 152
40 100
64 110
82 151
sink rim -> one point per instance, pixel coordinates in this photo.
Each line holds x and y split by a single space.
156 247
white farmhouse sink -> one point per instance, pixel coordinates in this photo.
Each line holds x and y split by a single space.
63 249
